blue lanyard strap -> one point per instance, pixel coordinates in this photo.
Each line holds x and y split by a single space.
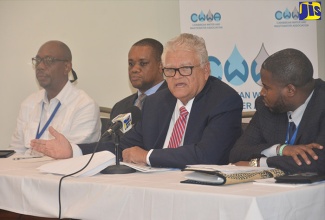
293 138
39 134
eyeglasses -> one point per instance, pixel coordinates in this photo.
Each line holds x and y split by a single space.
183 71
48 61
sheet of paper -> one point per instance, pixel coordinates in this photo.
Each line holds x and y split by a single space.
67 166
145 169
227 169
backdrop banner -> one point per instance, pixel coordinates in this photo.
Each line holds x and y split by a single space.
240 35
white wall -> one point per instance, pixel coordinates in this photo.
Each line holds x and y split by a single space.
99 34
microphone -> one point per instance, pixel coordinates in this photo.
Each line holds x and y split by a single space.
125 121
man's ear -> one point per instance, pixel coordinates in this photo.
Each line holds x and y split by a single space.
68 67
291 90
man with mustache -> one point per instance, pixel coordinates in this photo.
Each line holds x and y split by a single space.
59 104
288 128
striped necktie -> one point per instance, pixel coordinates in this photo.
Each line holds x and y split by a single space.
140 100
179 128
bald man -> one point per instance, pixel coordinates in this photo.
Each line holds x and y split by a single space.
58 104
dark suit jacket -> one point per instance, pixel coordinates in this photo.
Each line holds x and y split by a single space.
266 129
214 125
122 106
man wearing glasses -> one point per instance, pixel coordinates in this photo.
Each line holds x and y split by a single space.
196 121
59 104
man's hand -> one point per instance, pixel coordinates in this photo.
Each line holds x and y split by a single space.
57 148
135 155
302 150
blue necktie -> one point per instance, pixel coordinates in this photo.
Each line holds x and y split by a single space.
292 128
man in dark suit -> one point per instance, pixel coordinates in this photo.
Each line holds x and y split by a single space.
145 73
290 98
196 121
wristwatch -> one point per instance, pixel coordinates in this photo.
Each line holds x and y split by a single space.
253 162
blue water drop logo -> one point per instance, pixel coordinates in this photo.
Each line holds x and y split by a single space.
202 16
286 14
216 67
257 64
236 68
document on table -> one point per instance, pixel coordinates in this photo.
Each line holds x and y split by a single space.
68 166
146 169
100 161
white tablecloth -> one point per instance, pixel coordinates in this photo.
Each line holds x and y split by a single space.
25 190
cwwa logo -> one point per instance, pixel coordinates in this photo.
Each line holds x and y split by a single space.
202 17
310 11
236 69
287 15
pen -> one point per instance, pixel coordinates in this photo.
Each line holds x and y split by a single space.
23 158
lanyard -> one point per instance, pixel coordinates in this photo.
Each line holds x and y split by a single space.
293 138
39 134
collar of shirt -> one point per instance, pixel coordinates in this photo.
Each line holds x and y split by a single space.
61 97
179 104
152 90
296 115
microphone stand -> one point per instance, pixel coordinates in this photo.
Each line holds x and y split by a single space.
117 168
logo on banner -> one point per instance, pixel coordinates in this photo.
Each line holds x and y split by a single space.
289 19
257 64
287 14
209 20
236 69
310 10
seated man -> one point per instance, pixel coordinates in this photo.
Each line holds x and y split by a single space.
288 128
196 121
59 104
145 74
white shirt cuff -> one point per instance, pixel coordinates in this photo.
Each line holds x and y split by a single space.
270 152
263 162
76 151
148 155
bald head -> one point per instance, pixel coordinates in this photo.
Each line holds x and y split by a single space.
59 48
53 66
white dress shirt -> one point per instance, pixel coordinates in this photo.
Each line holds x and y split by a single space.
77 118
296 117
173 120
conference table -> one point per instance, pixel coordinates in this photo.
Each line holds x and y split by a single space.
156 195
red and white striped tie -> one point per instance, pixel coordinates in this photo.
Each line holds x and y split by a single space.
179 128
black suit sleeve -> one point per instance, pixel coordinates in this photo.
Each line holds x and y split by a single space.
288 164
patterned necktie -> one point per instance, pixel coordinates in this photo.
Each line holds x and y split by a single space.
178 129
140 100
